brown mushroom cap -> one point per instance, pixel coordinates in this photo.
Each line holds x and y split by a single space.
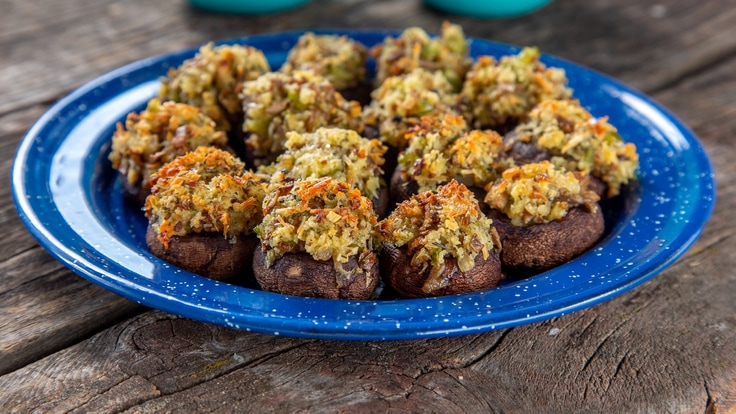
299 274
207 254
400 188
539 247
408 282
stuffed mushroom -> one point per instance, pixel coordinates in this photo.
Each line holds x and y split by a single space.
338 153
276 103
544 216
498 94
154 137
211 81
567 135
443 149
439 243
415 49
202 210
339 59
317 240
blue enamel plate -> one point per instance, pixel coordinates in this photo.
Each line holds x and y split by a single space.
67 195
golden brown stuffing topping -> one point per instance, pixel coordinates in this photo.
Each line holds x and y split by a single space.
401 101
539 193
414 49
498 93
578 142
206 190
210 80
321 216
157 135
277 103
441 149
338 59
436 224
332 152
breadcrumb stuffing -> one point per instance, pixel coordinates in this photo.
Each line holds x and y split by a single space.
338 59
331 152
539 193
579 142
157 135
210 80
277 103
414 48
441 149
498 93
206 190
401 101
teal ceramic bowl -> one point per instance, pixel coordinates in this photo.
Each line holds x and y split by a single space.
246 6
487 8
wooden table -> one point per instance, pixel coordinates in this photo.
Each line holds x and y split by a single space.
669 345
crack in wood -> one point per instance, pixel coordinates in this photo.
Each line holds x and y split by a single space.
488 351
710 403
605 339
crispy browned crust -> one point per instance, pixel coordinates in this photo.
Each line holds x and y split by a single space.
207 254
299 274
539 247
407 282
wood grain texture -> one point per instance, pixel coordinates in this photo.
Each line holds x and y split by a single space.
667 346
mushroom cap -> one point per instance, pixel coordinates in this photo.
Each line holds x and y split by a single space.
299 274
539 247
207 254
408 282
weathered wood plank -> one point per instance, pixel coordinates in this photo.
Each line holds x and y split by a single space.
610 356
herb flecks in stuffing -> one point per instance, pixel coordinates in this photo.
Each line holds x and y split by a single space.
321 216
210 80
441 149
338 59
578 142
401 101
539 193
206 190
277 103
433 225
414 48
157 135
498 93
332 152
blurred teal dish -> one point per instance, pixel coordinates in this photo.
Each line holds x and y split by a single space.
487 8
246 6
